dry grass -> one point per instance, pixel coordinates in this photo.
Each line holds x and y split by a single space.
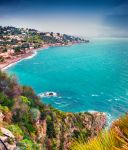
114 139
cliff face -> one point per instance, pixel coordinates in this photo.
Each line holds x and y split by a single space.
33 125
116 138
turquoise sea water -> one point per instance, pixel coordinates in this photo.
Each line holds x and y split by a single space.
86 77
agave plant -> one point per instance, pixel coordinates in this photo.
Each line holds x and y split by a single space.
114 139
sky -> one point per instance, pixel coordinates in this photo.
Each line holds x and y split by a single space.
90 18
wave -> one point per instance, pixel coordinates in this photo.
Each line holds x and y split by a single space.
48 94
95 95
59 97
29 57
63 105
108 116
12 64
110 119
58 103
33 55
109 100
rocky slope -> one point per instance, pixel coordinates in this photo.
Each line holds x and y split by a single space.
27 123
116 138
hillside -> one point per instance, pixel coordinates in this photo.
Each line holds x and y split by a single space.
27 123
114 139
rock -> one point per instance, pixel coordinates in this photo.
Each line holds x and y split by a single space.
11 146
2 147
1 116
41 128
5 138
7 132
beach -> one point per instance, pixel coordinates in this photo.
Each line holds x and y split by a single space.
17 58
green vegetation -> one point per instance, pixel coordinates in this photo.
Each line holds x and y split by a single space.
16 130
36 125
1 59
4 109
34 39
5 101
25 100
27 144
114 139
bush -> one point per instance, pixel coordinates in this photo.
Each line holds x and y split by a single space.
4 109
16 130
50 128
30 94
27 144
6 101
35 114
1 59
25 100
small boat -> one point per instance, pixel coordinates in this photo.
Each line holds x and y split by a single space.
47 94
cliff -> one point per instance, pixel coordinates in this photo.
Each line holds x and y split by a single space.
27 123
116 138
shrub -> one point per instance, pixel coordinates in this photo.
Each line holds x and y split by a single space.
4 109
27 144
1 59
35 114
5 101
16 130
25 100
30 94
50 128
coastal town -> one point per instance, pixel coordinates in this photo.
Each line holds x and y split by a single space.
19 43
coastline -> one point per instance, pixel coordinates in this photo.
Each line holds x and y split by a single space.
21 57
104 119
29 55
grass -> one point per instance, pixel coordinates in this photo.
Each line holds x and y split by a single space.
114 139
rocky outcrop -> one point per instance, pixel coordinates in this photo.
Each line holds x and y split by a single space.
87 125
7 140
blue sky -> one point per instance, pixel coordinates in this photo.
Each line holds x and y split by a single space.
76 17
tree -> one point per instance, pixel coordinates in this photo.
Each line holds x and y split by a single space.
17 49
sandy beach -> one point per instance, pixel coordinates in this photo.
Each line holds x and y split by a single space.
17 58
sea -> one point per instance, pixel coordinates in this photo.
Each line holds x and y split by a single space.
86 77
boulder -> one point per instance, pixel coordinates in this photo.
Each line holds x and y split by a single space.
5 138
7 133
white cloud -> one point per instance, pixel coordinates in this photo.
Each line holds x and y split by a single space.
74 25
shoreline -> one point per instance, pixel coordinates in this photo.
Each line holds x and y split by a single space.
32 53
29 55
